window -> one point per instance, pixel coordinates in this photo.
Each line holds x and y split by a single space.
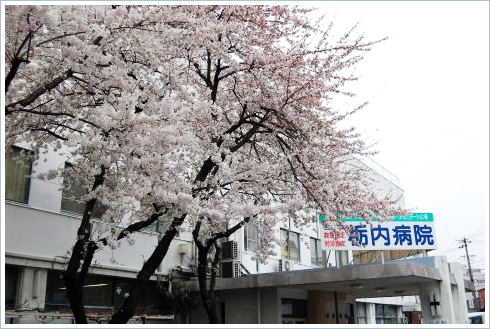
290 245
386 314
316 252
361 313
72 198
102 291
294 311
10 287
17 175
161 226
251 237
97 290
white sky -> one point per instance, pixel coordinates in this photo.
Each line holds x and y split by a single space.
428 88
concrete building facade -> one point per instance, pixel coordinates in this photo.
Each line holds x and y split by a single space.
301 285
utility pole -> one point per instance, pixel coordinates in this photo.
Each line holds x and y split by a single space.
464 245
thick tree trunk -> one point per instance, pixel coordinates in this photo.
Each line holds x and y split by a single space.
127 310
207 295
79 257
72 277
75 297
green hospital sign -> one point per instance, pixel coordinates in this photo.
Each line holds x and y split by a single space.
414 217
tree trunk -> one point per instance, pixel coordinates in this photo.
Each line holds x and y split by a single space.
207 295
72 277
127 310
75 297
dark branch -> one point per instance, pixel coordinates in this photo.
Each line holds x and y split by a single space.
42 90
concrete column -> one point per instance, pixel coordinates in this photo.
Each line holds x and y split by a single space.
442 293
370 313
459 299
31 288
399 314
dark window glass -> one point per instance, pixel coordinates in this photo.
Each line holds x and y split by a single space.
10 286
294 308
17 175
290 245
73 195
102 291
97 290
316 252
284 244
122 287
386 314
251 235
361 313
55 289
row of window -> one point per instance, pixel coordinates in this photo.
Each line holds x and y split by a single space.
289 241
98 291
18 172
18 167
385 314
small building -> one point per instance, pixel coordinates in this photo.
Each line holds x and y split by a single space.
337 295
476 299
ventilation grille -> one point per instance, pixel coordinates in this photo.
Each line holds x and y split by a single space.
230 269
229 250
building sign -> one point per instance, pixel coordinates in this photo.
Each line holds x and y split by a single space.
414 231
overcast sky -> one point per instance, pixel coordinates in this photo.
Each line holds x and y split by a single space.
428 88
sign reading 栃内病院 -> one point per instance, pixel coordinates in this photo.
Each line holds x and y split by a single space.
414 231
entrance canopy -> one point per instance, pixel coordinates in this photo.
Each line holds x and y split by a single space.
396 278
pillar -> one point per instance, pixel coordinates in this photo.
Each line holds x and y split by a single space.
436 299
31 288
371 313
460 309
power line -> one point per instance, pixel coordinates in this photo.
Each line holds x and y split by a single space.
476 232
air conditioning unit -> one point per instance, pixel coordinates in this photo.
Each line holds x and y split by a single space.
183 248
229 250
230 269
285 265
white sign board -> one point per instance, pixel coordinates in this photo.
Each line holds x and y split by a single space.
415 231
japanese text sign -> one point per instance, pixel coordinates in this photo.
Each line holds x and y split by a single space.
415 231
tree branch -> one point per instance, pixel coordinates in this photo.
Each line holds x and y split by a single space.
42 90
228 232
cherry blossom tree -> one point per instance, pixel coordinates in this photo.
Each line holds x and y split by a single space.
77 77
214 115
281 153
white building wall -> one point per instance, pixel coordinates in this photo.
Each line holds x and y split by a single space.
382 181
49 236
38 229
